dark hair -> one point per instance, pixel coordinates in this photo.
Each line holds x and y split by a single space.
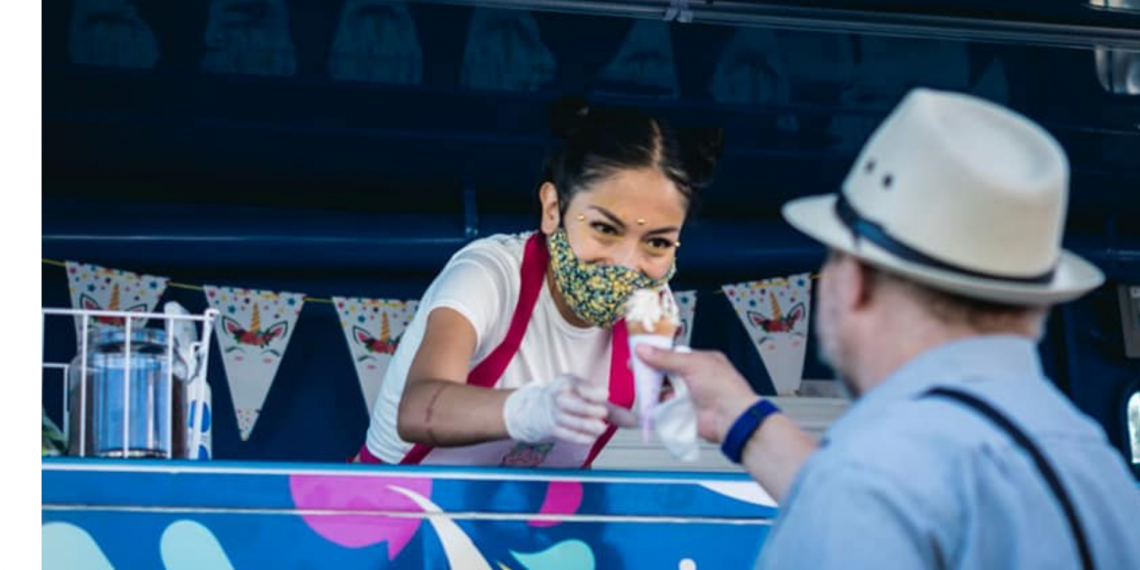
598 142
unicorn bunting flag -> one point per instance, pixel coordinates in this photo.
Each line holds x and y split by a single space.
686 305
98 288
254 329
373 328
775 313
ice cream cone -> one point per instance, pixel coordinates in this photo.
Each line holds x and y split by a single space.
651 318
661 327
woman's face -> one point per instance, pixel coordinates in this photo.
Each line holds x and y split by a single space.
632 218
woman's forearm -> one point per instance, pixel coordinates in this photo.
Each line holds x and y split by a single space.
443 413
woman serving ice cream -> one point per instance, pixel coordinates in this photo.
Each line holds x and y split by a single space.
514 353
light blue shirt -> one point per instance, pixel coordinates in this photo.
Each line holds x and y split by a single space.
930 483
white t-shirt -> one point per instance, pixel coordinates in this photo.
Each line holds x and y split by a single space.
481 282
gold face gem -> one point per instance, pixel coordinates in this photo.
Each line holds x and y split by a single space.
641 221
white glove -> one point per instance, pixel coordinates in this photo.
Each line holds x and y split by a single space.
567 409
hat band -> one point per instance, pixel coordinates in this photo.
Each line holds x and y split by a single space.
875 233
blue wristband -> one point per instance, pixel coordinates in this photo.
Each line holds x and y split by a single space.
742 429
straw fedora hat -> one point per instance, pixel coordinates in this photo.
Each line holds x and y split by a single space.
960 194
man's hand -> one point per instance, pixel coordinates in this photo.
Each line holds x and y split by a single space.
719 392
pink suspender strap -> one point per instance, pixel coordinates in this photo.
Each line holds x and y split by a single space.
621 384
534 264
487 373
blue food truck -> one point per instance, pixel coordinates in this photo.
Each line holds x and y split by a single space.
330 157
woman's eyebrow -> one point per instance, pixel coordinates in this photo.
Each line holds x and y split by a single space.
611 216
665 230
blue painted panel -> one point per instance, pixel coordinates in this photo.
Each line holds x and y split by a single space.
147 515
485 490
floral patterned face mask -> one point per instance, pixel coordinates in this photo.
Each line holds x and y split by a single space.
595 293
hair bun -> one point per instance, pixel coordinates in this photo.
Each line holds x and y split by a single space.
700 149
566 115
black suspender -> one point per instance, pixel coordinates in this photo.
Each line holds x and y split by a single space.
1043 466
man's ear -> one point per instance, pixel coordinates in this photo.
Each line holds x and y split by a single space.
848 282
864 288
551 216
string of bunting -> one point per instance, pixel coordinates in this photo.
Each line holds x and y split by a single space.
189 287
255 327
186 286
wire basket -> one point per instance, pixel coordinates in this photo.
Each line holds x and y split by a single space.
130 384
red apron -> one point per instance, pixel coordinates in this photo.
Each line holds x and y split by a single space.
555 453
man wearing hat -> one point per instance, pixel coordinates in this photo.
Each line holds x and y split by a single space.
944 258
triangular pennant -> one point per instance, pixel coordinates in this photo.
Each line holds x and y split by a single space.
98 288
250 38
110 33
373 329
253 330
644 64
505 52
750 71
776 312
377 43
686 305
